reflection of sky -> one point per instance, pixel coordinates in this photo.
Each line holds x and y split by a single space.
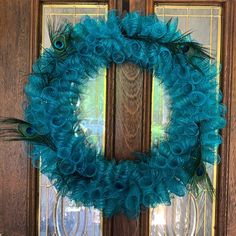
94 130
93 127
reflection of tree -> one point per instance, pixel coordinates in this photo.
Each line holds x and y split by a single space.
47 201
160 112
71 218
157 133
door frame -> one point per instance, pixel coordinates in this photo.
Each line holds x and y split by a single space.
30 11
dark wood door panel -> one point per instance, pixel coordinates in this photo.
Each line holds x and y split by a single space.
17 181
131 113
227 178
129 97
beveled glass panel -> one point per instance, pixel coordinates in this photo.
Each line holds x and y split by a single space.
188 215
59 216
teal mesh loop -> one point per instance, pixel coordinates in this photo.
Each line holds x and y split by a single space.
77 168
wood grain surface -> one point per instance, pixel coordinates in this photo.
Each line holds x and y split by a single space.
131 112
226 207
128 129
17 177
129 97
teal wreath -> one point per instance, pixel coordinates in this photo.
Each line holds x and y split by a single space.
74 166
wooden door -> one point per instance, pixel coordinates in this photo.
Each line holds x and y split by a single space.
20 28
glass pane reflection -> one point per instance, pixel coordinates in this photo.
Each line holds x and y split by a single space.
186 216
59 216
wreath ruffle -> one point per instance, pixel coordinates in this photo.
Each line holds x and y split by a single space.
76 168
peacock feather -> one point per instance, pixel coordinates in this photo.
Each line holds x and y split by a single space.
201 181
12 129
179 45
59 34
191 49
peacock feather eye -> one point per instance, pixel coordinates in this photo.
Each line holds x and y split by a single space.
185 48
200 171
12 129
59 43
26 130
59 35
29 130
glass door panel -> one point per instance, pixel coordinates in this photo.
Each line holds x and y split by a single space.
59 216
189 215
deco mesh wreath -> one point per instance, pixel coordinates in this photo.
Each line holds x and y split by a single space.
75 167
